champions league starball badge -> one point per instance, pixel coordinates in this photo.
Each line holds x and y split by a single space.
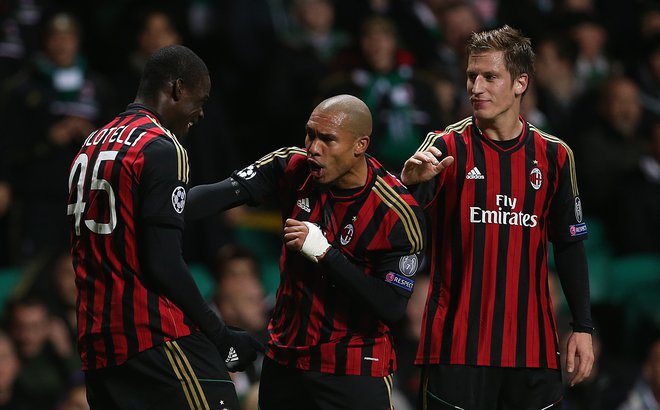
179 199
248 172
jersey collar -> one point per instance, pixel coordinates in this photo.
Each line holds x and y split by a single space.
521 141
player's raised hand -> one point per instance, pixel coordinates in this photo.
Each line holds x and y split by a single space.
306 238
423 166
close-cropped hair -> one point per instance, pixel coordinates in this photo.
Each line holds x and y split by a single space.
169 64
518 53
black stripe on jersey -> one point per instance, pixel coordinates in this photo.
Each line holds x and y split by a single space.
501 268
404 211
154 318
280 153
341 352
367 352
107 306
315 358
304 307
523 278
479 238
543 362
456 258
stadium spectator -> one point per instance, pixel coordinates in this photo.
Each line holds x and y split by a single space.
46 110
639 200
402 101
611 147
12 396
645 395
47 355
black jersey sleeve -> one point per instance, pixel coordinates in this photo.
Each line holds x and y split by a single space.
384 301
397 267
264 177
162 189
165 268
566 222
571 261
210 199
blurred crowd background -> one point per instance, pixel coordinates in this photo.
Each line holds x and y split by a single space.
67 67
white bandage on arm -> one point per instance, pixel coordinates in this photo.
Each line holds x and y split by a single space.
315 243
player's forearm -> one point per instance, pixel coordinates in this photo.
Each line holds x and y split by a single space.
207 200
381 298
571 261
165 268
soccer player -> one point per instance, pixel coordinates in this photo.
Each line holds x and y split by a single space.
495 189
352 233
146 337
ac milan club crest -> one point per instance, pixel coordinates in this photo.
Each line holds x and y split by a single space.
536 178
346 234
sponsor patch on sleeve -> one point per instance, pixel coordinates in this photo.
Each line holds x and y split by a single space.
578 229
400 281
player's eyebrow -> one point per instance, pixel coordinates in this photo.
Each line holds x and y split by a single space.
313 131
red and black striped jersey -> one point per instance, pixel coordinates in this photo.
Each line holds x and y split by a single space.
126 173
316 325
490 216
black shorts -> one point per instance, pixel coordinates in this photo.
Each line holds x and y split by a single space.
292 389
186 373
489 388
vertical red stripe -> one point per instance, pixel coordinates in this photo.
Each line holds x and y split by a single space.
328 364
459 340
353 358
518 186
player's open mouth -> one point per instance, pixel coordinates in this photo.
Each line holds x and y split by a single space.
316 170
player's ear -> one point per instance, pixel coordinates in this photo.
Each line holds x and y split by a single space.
177 89
521 84
361 145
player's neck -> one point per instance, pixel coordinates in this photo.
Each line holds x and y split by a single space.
356 177
502 128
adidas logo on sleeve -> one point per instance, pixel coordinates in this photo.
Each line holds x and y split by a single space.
474 174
